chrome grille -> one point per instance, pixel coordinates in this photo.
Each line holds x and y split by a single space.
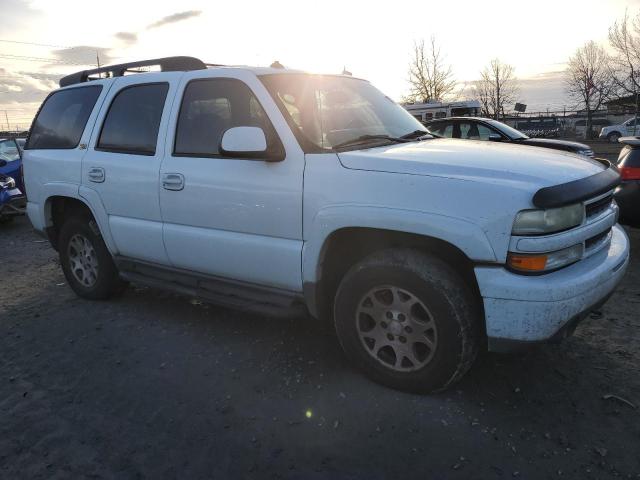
589 243
594 209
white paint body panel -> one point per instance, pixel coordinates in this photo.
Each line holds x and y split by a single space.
244 139
533 308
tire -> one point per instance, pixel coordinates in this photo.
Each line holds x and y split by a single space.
86 261
613 137
429 296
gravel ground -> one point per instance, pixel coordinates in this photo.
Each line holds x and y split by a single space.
154 385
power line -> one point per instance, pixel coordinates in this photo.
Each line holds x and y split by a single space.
57 61
37 44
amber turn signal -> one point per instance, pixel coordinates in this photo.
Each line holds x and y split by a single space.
527 263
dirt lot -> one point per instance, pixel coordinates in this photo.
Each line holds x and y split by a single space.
155 385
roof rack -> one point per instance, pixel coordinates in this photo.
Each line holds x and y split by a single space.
166 64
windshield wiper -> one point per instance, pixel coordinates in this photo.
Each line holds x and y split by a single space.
364 138
416 134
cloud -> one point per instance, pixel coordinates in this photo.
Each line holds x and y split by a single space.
128 38
176 17
82 56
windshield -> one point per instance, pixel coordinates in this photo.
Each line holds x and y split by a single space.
510 132
329 111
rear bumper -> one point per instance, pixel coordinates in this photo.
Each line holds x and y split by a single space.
522 309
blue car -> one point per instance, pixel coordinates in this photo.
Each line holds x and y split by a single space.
12 199
11 159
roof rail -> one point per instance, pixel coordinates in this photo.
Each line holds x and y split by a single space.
167 64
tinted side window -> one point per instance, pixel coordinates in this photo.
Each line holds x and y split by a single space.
443 129
209 108
62 118
133 120
474 131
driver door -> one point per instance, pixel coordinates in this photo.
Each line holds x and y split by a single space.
239 219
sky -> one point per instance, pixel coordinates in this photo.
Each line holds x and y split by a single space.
372 39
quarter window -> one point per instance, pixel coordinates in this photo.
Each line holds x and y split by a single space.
212 106
133 120
62 118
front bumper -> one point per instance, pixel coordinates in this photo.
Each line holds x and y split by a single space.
12 203
521 309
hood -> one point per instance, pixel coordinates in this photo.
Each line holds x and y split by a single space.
472 160
552 143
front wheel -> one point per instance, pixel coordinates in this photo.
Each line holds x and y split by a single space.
86 261
408 320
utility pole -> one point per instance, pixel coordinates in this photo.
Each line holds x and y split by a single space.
6 117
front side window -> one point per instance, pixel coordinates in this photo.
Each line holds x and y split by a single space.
474 131
325 112
132 122
442 130
62 118
212 106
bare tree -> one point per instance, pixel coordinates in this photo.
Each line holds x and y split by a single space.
429 77
624 37
496 88
590 79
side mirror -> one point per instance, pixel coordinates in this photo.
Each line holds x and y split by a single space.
3 162
494 137
246 142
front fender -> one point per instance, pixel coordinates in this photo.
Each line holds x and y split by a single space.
466 236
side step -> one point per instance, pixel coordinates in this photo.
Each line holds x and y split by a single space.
225 292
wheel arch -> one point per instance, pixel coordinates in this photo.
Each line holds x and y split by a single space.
346 246
57 208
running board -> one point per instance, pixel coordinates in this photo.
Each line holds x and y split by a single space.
221 291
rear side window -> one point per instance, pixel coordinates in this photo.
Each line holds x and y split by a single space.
209 108
62 118
133 120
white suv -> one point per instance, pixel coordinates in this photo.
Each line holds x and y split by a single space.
267 188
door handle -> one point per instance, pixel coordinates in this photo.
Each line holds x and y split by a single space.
172 181
96 174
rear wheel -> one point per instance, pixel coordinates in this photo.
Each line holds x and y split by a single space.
408 320
86 261
613 137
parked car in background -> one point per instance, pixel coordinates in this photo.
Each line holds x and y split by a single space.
597 124
475 128
625 129
12 201
11 159
627 194
277 189
539 127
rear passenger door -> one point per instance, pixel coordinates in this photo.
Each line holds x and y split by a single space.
123 162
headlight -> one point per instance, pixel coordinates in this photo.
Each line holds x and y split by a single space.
544 262
7 182
551 220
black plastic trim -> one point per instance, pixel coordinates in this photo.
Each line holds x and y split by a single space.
578 190
166 64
